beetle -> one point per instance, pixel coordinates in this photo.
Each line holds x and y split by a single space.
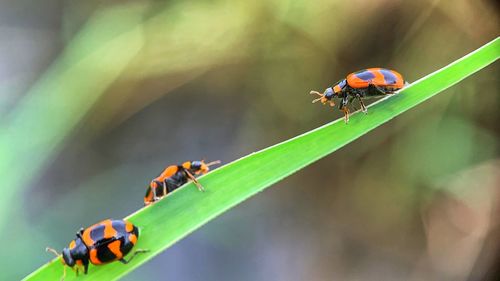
175 176
104 242
366 83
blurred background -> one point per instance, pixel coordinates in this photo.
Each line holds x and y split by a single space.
97 97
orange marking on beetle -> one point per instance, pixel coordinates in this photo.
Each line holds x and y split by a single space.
93 257
109 231
132 238
114 247
399 79
87 240
129 226
379 77
355 81
186 165
336 89
72 244
167 173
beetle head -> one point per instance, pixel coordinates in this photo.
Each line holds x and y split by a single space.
200 167
326 97
67 258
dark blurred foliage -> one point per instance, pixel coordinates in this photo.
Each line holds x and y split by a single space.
416 199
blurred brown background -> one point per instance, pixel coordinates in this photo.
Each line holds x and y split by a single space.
96 97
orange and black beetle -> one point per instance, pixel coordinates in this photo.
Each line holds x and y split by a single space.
175 176
103 242
366 83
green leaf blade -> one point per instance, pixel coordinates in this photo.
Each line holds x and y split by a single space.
187 209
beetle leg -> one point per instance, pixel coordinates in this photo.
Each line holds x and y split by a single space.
344 101
195 181
138 251
85 266
379 90
155 198
345 109
362 104
164 187
351 104
343 106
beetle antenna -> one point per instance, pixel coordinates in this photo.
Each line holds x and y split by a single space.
317 93
213 163
48 249
64 273
316 100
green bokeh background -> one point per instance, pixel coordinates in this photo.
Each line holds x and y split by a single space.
97 97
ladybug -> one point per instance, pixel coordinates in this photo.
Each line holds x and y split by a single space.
103 242
366 83
175 176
